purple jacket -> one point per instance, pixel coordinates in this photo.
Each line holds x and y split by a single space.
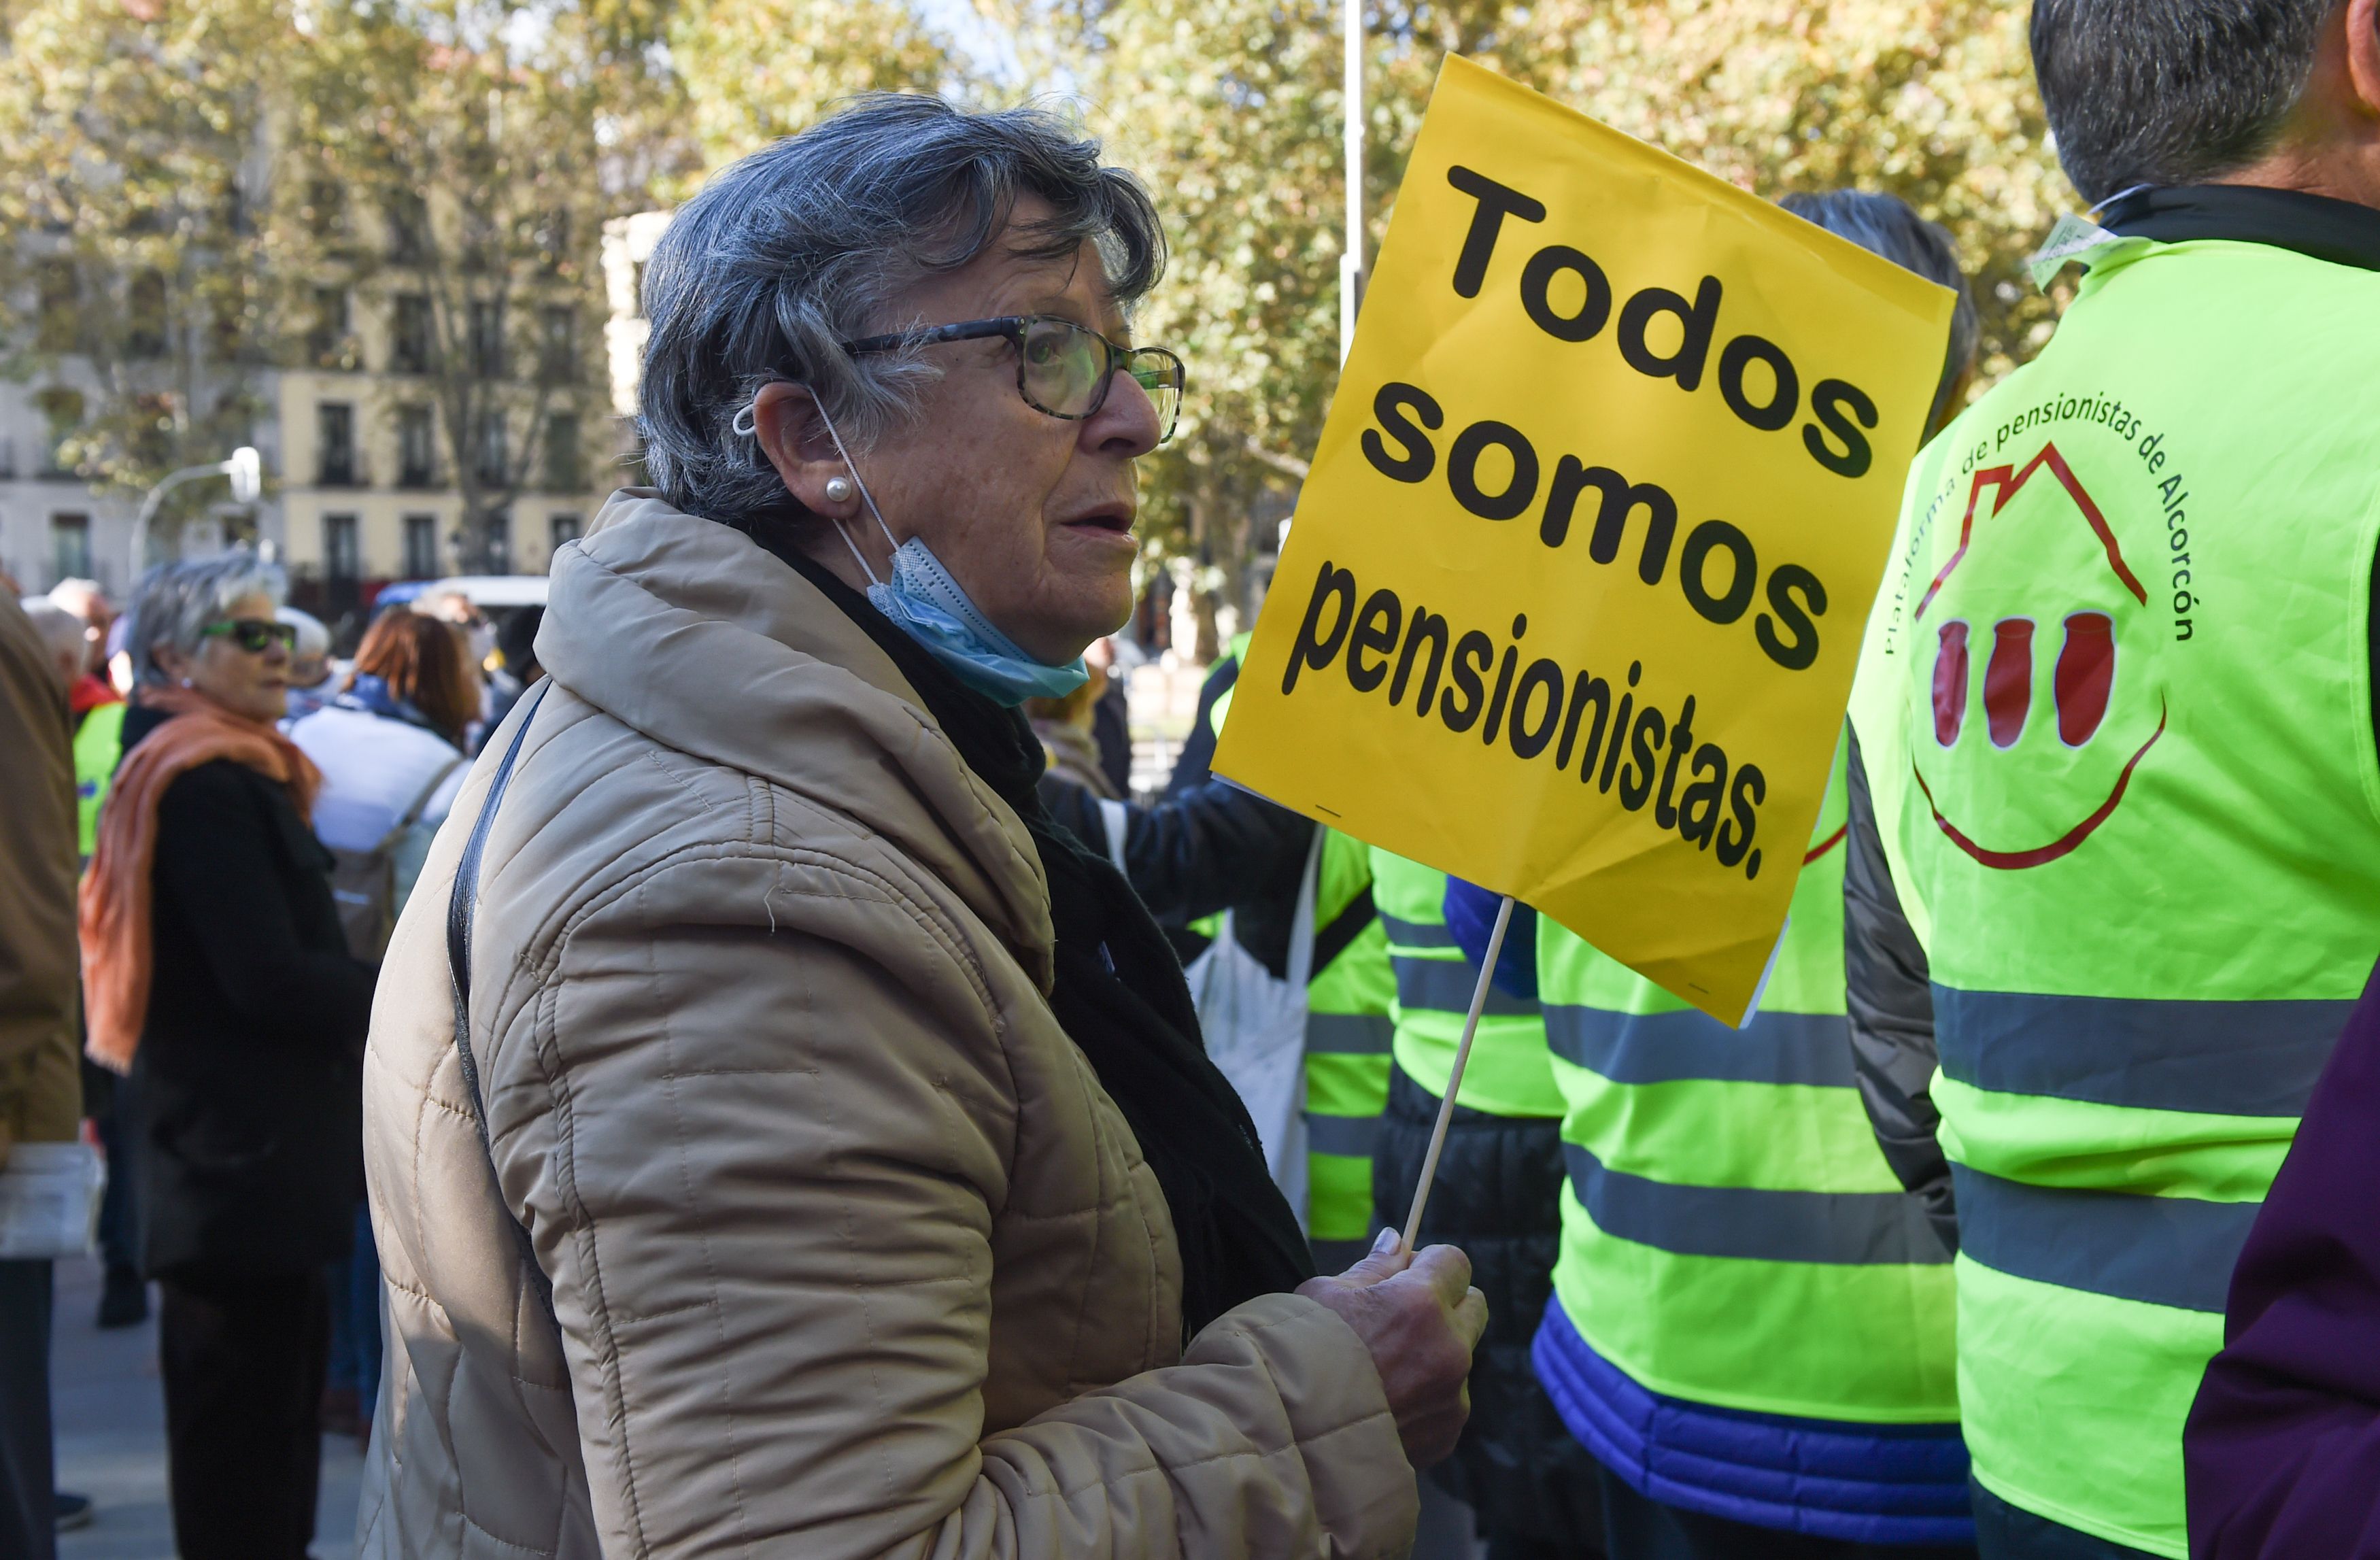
2282 1451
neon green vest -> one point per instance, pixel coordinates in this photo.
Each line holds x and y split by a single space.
1347 1042
1510 1073
1347 1032
1731 1233
2115 709
97 745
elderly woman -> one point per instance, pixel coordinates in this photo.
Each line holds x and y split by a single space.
214 972
829 1165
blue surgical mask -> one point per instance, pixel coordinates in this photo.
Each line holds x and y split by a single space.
928 605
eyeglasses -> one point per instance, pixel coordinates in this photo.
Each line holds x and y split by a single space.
1062 369
254 635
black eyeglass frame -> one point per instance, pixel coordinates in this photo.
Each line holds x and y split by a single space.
1012 327
265 630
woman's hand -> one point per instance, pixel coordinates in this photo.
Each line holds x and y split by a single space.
1420 1316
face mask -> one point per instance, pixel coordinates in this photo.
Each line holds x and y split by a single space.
928 605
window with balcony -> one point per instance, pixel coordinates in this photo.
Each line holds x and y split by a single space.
487 338
421 547
70 547
325 213
412 341
409 226
564 470
58 296
500 544
145 310
416 447
342 555
334 444
557 344
490 460
62 410
329 344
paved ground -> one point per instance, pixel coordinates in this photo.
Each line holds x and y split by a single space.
111 1429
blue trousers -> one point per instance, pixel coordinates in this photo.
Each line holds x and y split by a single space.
355 1316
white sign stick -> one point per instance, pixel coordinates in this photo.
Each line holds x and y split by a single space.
1455 1078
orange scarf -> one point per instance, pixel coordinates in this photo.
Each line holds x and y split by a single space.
115 922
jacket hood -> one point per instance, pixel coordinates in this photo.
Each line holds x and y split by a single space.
694 635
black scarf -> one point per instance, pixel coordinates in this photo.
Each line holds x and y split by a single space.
1119 995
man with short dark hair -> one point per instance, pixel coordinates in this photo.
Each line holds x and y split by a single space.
2117 759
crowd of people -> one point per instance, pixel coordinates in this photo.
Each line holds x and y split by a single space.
247 816
769 1101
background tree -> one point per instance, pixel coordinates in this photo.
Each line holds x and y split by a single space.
1231 110
456 188
749 71
133 158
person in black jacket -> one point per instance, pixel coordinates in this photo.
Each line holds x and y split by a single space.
245 1073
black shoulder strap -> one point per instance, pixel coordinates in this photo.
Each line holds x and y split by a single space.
459 905
1344 928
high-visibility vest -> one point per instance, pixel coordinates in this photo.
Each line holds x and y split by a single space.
1751 1318
2115 709
1347 1035
1509 1073
98 743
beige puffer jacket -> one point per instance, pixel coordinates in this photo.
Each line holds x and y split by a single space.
851 1255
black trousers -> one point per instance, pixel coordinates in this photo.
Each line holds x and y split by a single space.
1498 1197
1639 1527
243 1360
28 1525
2010 1533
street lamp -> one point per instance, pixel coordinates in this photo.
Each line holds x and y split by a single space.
246 469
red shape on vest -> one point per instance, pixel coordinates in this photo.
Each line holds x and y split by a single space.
2086 670
1950 683
2008 681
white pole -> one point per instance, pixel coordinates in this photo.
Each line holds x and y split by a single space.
1455 1078
1350 259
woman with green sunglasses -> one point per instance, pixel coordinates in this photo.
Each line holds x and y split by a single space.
216 975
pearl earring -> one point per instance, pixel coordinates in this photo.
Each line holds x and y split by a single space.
838 490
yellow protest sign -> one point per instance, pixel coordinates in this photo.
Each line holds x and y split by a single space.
1575 587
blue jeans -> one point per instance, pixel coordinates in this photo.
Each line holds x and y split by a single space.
355 1317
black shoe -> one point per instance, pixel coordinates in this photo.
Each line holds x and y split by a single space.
125 1301
73 1511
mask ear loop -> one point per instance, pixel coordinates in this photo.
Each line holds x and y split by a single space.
866 497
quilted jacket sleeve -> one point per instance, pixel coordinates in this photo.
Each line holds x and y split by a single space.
763 1112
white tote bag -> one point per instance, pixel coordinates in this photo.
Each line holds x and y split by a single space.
49 1200
1256 1025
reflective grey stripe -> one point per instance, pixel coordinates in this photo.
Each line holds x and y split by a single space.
1349 1135
2166 1250
1671 1047
1445 985
1416 933
1349 1034
2223 1058
1849 1228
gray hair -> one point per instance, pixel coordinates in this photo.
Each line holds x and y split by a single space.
2169 92
174 603
62 631
811 241
1883 224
